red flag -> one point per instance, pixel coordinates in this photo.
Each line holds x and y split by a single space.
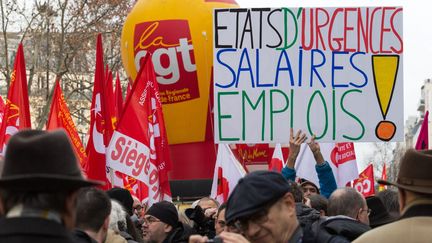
60 117
277 161
2 109
383 177
128 92
365 183
423 138
118 98
99 126
227 172
17 111
110 104
139 146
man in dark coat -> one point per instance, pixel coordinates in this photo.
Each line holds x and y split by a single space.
92 217
348 217
38 188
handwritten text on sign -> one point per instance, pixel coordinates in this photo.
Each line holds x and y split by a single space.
332 72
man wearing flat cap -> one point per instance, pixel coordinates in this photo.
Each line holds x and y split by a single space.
414 183
38 188
262 208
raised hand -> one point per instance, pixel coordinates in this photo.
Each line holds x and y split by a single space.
295 143
316 150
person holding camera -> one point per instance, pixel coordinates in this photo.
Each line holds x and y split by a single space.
203 215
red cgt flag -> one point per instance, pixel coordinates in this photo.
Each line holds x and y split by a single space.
139 146
423 138
17 112
60 117
99 124
365 183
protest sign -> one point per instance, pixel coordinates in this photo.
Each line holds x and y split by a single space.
333 72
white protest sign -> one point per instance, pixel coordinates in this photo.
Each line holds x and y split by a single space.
333 72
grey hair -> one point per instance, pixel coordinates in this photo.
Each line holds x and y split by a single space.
345 201
117 217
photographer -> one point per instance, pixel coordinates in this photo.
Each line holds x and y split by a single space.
203 216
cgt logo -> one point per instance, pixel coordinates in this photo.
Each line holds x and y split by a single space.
364 186
173 58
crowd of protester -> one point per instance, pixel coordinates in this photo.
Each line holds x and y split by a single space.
44 198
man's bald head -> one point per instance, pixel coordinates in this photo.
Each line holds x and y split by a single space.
345 201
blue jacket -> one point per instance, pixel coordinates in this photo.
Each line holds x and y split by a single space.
326 178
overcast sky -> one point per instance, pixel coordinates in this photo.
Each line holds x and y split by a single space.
417 34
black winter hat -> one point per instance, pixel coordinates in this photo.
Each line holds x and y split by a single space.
165 212
253 192
124 197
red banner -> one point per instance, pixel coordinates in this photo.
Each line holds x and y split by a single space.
251 154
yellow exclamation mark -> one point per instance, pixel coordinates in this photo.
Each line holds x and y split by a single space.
385 69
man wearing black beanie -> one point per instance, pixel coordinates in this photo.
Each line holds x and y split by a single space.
161 224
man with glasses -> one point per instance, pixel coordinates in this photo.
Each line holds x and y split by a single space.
348 217
220 219
262 208
161 224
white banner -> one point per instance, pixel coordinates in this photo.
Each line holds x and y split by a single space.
131 157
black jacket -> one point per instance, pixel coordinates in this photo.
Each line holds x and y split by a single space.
180 234
340 229
33 230
80 236
127 237
306 215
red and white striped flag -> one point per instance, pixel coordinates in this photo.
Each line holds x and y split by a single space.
277 161
227 172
